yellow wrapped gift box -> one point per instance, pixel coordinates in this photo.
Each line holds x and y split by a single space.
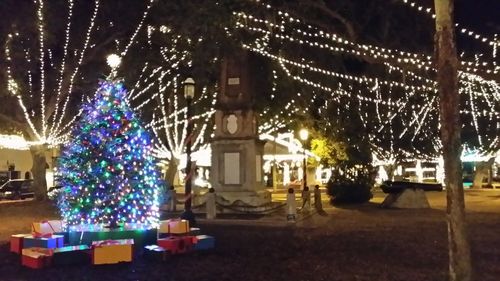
174 226
112 251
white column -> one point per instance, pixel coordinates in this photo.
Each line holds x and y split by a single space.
286 174
419 171
440 170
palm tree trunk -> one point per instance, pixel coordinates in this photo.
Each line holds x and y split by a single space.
447 77
38 171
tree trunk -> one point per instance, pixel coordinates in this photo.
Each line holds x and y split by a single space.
38 171
482 171
447 78
390 169
274 173
173 164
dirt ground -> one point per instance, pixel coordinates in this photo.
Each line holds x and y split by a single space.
362 242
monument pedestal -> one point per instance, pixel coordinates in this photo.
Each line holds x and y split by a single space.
245 198
236 173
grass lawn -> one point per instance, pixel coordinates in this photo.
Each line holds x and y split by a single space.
17 216
361 242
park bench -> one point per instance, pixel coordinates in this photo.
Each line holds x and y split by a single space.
403 194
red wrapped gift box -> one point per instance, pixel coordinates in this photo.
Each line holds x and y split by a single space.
36 257
16 242
177 244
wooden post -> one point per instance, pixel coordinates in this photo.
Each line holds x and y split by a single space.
447 78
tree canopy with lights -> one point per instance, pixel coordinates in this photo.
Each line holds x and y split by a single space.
395 95
367 63
342 66
51 50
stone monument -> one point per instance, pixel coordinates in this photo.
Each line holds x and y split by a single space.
236 173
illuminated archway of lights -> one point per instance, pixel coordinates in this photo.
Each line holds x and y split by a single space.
379 100
46 109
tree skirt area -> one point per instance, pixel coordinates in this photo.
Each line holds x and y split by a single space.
361 242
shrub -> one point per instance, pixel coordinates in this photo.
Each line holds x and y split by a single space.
354 187
349 192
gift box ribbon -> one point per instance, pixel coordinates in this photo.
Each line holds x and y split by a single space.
106 243
37 252
37 234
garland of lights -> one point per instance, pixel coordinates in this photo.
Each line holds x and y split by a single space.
466 31
375 50
63 61
161 83
80 60
139 26
391 67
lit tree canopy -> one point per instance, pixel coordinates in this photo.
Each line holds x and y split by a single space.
373 58
51 52
393 91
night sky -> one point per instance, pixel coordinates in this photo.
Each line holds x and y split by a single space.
482 15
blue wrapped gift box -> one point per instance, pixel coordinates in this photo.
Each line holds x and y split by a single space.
204 242
65 234
51 242
155 253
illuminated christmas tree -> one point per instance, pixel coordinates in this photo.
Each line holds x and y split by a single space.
107 171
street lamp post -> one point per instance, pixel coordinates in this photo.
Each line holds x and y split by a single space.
304 134
189 95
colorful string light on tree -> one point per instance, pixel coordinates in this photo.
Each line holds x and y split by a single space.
107 171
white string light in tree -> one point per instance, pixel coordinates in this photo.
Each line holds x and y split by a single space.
53 123
82 54
387 56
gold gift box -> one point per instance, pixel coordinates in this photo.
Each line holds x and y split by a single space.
112 251
175 226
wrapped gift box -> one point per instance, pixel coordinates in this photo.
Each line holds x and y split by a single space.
53 241
204 242
36 257
194 231
16 242
71 255
44 228
86 234
155 252
176 226
112 251
177 244
65 236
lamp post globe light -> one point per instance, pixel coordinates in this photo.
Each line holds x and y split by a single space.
304 134
188 95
